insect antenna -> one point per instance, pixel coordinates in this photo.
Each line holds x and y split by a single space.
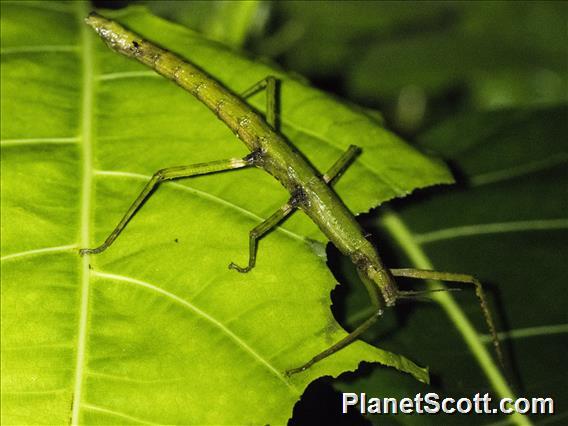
409 294
419 294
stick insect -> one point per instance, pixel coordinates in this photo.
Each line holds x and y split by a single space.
309 190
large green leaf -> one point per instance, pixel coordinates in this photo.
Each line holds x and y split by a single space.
504 222
157 329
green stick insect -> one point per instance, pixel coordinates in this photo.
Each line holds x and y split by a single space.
309 190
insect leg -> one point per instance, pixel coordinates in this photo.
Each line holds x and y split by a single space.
169 173
341 164
354 335
347 340
258 231
459 278
270 84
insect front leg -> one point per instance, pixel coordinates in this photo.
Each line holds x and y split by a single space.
169 173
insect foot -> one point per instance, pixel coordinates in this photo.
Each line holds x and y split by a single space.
238 268
288 373
84 251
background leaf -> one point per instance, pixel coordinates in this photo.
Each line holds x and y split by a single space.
157 329
504 222
418 61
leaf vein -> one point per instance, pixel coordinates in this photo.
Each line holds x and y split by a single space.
127 74
490 228
46 48
33 141
51 6
519 171
130 379
205 315
38 251
520 333
115 413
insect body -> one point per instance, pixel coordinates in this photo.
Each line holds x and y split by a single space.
309 190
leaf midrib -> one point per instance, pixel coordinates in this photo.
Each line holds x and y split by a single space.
87 108
398 229
89 80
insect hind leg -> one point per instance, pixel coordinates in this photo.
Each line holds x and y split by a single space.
346 341
458 278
